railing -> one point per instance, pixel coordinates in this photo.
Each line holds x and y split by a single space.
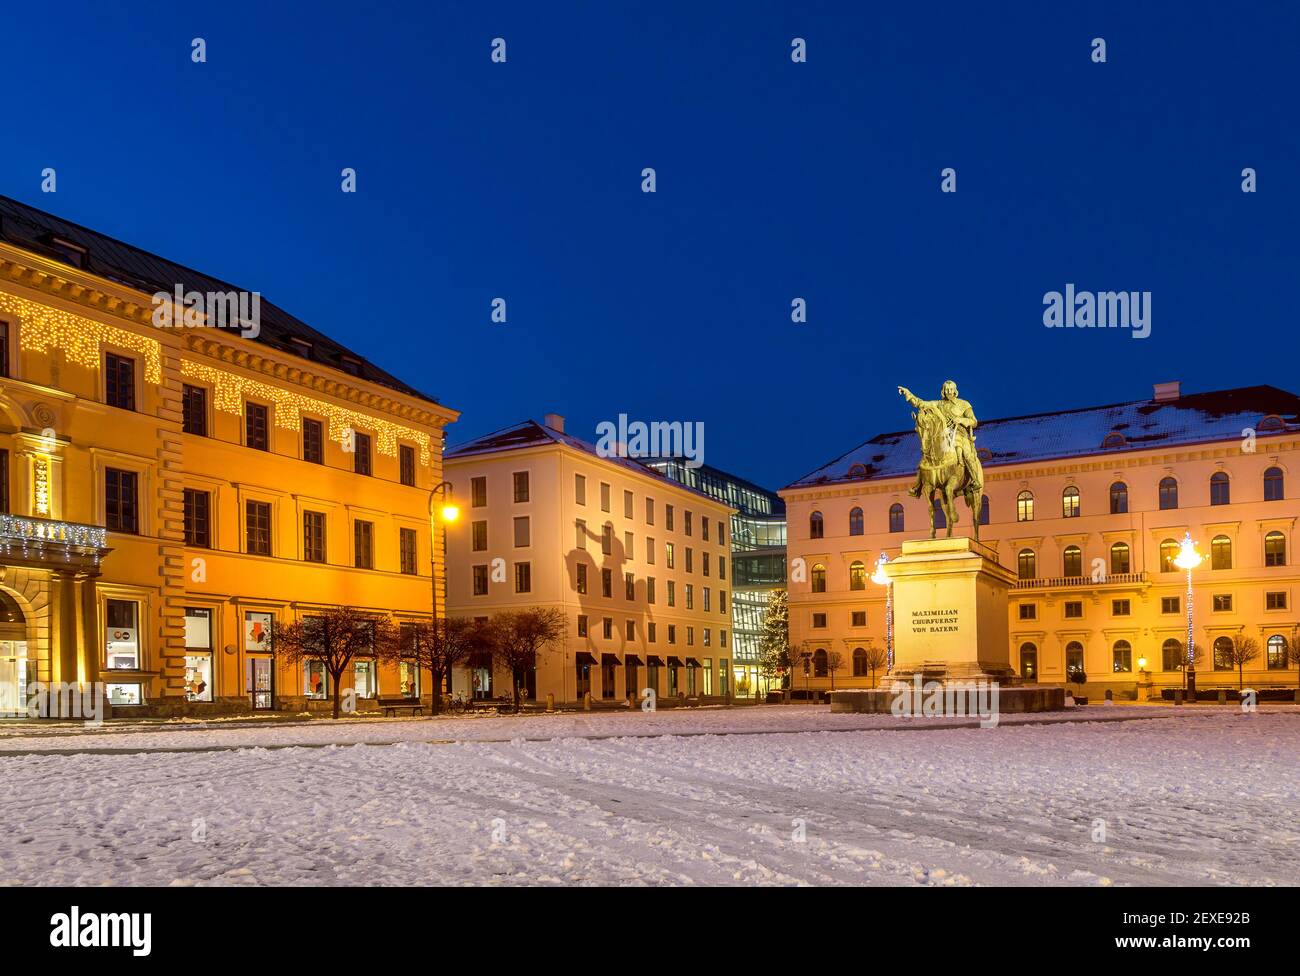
19 532
1071 582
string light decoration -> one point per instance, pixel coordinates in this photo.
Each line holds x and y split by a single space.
230 390
45 329
41 485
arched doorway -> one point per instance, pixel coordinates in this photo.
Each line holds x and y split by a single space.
13 657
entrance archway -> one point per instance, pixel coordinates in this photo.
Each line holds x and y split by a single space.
13 658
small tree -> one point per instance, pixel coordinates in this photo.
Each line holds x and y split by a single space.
517 638
877 660
336 636
795 659
834 662
438 650
1244 651
774 639
1077 676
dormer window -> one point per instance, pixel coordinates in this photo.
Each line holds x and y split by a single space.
351 364
1114 439
300 346
73 253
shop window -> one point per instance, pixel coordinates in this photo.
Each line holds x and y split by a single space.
198 655
315 680
124 693
123 635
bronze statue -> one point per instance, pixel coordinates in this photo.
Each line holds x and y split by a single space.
949 464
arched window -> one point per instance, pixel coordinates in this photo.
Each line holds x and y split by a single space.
1171 655
1028 661
855 521
1273 485
1113 439
820 668
1118 498
940 520
860 669
1168 553
1073 657
1275 549
1027 564
1072 561
1070 503
1119 558
1122 656
857 576
1220 494
818 578
1168 493
1277 652
857 470
1221 552
1025 506
1223 654
895 517
984 510
815 525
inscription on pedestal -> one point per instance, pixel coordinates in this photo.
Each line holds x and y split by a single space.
936 621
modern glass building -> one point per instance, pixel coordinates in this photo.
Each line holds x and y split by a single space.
757 559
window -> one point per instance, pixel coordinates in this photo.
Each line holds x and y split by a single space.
521 486
649 511
1073 657
819 578
1221 552
815 526
629 630
406 464
672 593
197 519
686 522
579 489
607 539
119 381
690 553
122 637
1222 602
670 555
1073 609
315 680
1168 493
1276 654
313 537
607 628
361 453
1029 661
690 597
629 586
522 532
722 567
1168 553
580 578
363 544
313 441
1119 557
820 664
194 410
607 584
1219 491
523 577
857 576
198 655
628 504
1070 503
478 536
121 500
478 492
668 517
582 625
1025 507
4 348
1122 656
1027 564
1119 498
1072 561
256 432
895 517
1171 655
406 548
650 589
704 527
1028 611
480 580
1273 485
1223 651
858 618
1275 600
1275 549
257 528
1121 608
860 668
1171 604
604 498
855 521
629 547
650 552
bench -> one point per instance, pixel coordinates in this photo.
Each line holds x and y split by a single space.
390 705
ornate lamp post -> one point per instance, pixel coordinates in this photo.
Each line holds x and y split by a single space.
448 513
881 576
1188 559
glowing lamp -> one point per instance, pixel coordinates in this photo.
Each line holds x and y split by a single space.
881 575
1188 558
450 513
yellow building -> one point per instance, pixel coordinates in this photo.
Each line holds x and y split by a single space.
637 562
172 491
1088 507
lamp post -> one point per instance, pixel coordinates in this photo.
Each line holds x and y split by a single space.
1188 559
881 576
449 513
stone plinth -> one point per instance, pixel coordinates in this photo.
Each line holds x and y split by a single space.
1011 699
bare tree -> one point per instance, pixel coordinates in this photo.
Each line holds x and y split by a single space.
796 658
336 636
1244 651
834 662
439 649
517 638
877 660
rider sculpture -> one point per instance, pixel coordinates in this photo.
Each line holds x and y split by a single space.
949 464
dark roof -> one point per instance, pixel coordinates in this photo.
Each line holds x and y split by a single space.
36 230
1193 418
716 482
530 433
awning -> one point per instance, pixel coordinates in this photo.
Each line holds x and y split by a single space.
654 660
609 659
692 662
674 662
630 659
582 657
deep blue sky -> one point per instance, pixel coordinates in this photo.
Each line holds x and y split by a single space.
775 180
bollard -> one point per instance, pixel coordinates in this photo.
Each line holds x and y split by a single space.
550 701
586 702
1178 696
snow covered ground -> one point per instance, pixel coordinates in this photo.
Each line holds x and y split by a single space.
1210 796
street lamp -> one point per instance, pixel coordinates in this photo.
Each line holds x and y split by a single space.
1188 559
448 513
881 576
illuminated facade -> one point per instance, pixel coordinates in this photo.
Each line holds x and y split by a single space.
757 560
169 492
637 563
1087 507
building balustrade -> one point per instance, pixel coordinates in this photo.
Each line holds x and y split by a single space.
1077 582
39 540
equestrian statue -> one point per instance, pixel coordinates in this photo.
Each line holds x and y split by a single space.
949 464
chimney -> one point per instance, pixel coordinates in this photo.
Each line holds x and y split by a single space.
1167 391
556 422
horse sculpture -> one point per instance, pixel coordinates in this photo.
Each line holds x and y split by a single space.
943 471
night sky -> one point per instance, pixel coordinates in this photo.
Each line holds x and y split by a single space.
776 180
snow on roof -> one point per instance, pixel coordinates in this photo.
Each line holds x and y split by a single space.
1191 419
